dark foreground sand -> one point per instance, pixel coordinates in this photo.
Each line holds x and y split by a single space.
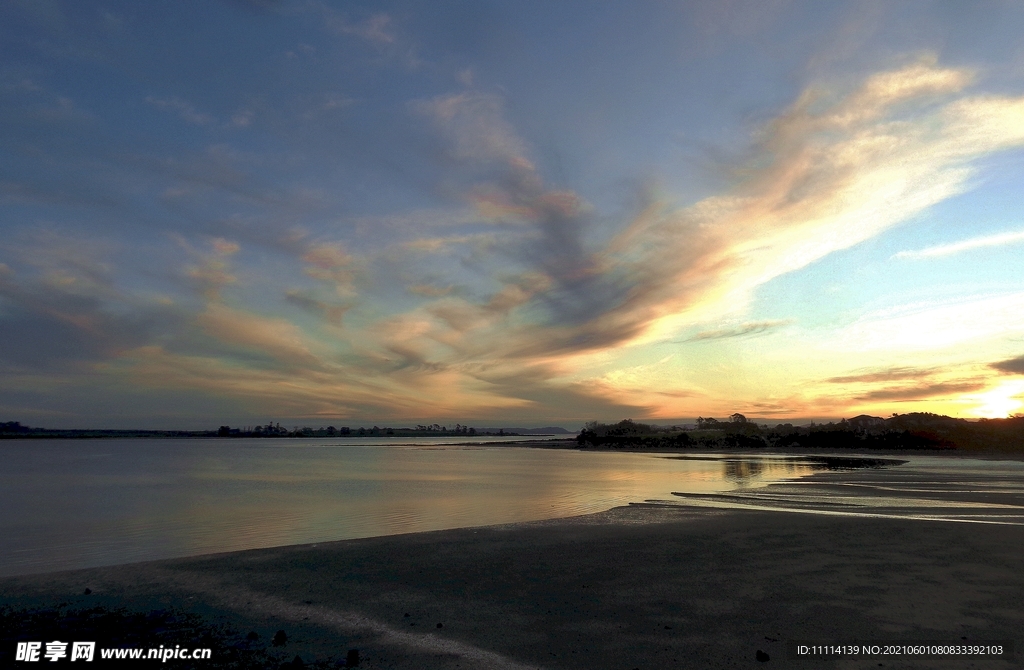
638 587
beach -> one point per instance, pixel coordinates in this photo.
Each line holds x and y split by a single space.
641 586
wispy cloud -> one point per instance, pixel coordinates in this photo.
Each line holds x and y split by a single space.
1013 366
211 270
278 339
883 375
997 240
742 330
64 312
330 262
377 28
476 126
332 312
922 391
186 110
431 291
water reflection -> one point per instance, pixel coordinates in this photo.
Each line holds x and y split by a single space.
68 504
750 470
742 471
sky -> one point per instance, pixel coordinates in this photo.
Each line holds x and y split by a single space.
509 213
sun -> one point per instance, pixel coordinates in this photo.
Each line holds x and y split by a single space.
999 402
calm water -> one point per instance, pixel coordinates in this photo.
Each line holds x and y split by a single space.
71 504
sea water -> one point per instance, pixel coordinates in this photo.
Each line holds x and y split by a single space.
67 504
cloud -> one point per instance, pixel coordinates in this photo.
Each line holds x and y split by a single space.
416 220
375 28
186 111
435 244
476 127
333 313
242 118
922 392
212 272
63 313
326 103
884 375
330 262
997 240
1013 366
278 339
220 168
426 290
224 247
750 328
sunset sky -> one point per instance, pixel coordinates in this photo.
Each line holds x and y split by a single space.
509 213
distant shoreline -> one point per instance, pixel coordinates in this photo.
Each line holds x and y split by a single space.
85 434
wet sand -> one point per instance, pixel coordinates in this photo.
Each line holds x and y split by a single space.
646 586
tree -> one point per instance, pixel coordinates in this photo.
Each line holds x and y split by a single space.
707 423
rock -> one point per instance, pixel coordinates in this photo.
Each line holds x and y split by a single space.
761 656
352 658
280 638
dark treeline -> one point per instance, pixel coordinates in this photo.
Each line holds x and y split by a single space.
275 430
15 430
901 431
